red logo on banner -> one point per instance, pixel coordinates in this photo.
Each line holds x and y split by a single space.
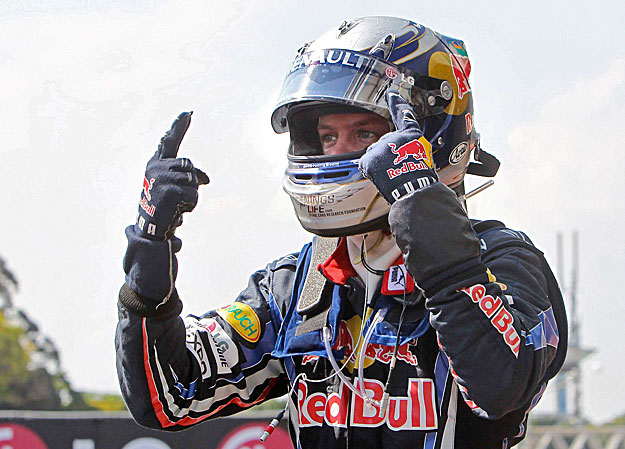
247 436
14 436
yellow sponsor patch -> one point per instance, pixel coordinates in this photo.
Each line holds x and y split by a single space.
243 319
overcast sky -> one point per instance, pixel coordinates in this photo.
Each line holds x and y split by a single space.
88 87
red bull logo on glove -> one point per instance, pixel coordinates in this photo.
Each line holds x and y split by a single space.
143 202
500 318
414 148
407 167
420 149
147 186
416 411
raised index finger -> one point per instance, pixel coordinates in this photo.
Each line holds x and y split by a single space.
401 112
170 143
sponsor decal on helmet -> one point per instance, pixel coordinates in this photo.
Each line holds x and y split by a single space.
443 65
334 56
320 211
461 67
416 411
500 318
314 199
391 73
243 320
468 118
458 45
458 153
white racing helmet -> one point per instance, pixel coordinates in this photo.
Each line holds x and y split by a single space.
348 70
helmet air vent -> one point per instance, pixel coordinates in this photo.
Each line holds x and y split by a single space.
384 48
345 27
336 174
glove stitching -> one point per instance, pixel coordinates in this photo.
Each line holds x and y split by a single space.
171 275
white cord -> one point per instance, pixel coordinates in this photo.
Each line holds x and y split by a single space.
327 340
361 358
327 337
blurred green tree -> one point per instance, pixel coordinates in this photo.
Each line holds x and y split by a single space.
30 370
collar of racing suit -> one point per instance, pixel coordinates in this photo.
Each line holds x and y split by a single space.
379 251
347 287
382 254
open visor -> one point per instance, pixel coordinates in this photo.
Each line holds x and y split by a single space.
356 79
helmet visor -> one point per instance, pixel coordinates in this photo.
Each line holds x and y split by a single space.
354 78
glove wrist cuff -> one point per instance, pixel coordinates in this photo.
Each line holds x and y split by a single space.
148 307
472 271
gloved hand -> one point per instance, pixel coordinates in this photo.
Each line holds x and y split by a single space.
170 188
401 161
170 185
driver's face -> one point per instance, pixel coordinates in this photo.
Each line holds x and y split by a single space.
344 133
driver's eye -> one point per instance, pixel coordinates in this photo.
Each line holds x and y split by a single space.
366 134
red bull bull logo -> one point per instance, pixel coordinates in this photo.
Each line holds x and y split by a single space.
144 202
413 148
419 149
415 411
468 118
147 186
461 68
374 351
500 318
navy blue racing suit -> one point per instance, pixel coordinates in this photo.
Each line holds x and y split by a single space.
475 348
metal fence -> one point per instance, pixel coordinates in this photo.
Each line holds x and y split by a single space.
577 437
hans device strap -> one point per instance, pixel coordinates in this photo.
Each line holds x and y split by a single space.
310 299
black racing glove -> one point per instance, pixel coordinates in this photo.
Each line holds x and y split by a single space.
170 185
170 188
401 161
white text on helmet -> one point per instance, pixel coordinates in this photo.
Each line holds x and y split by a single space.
342 57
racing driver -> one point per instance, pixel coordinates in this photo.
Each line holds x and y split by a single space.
403 323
